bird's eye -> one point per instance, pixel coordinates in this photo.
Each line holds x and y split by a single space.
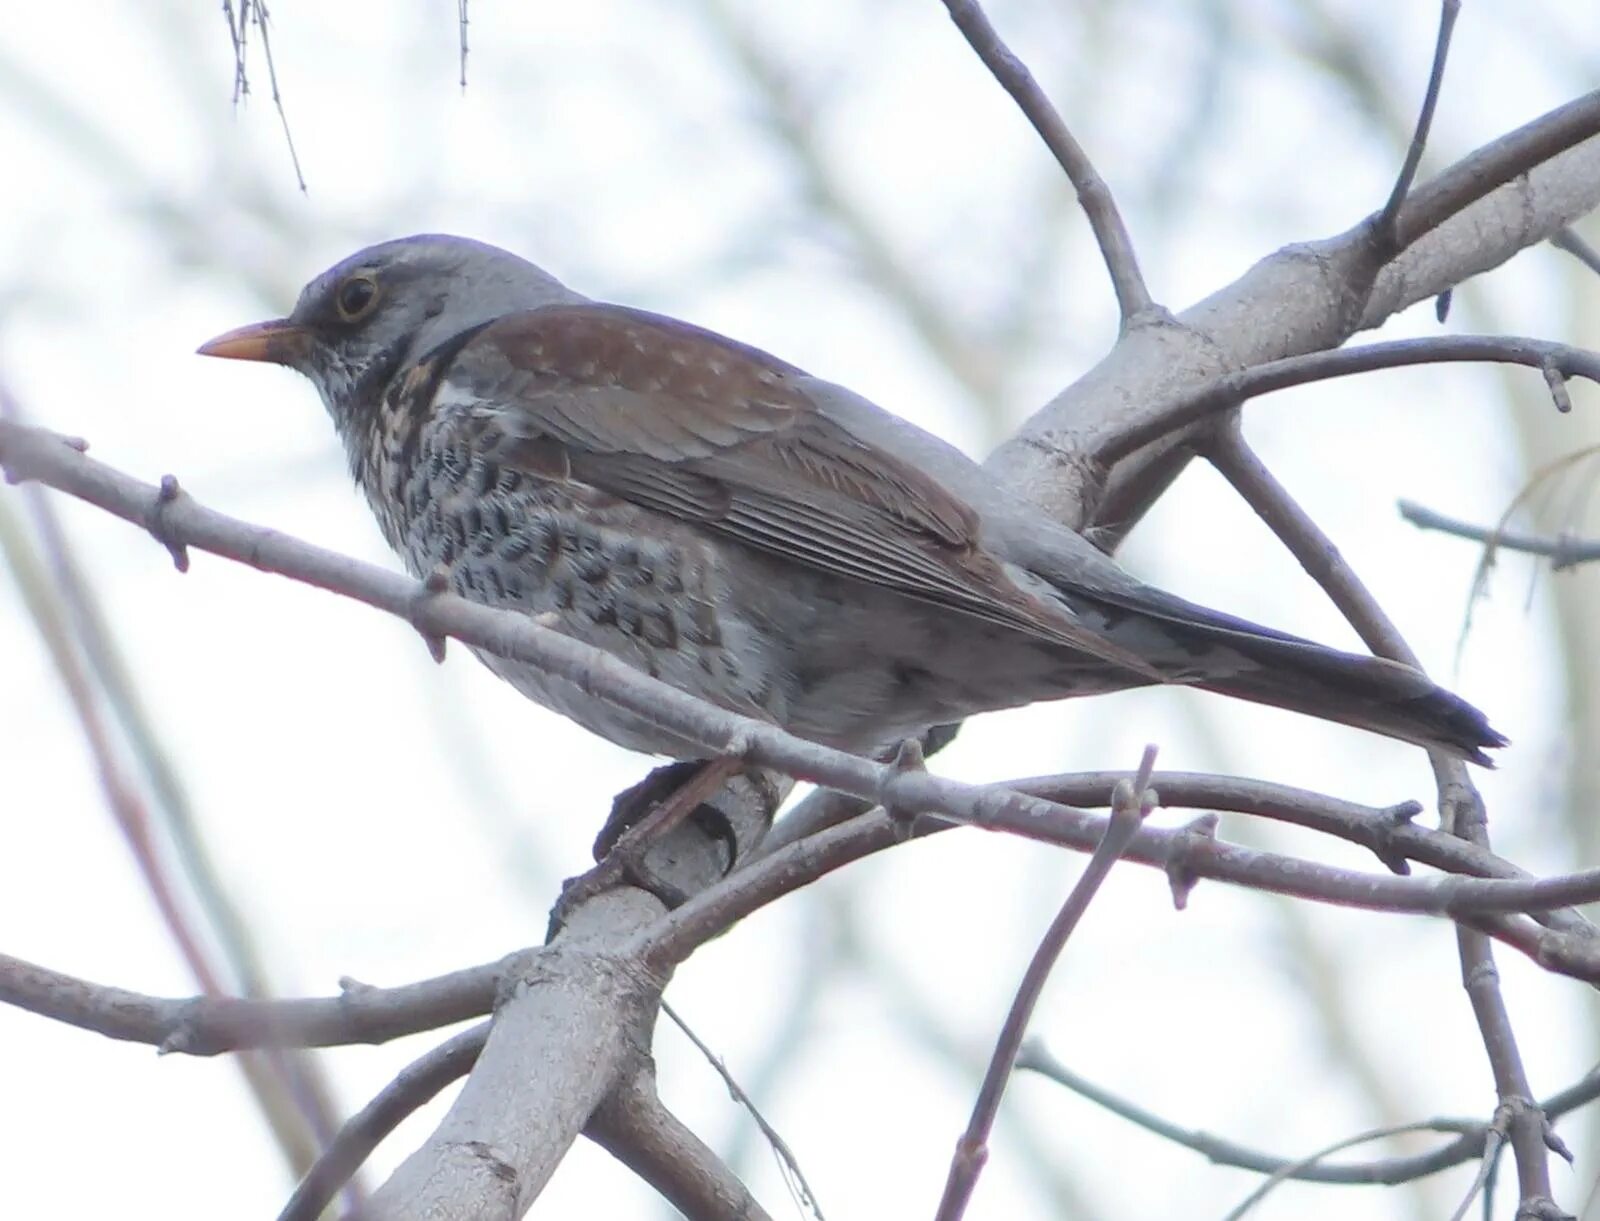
356 296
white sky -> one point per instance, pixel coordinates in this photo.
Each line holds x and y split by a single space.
383 818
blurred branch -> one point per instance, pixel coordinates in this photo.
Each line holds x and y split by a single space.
94 636
295 1115
875 258
1563 551
1116 247
1469 1142
1569 240
1131 804
255 12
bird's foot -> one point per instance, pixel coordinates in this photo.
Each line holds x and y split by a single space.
640 818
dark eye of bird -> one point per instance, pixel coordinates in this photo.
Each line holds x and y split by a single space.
355 297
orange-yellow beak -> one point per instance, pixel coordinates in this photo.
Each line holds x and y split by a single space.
279 341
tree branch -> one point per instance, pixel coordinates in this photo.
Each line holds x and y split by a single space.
1388 221
211 1025
1563 551
1460 807
27 453
416 1085
1229 390
1131 803
1469 1142
1133 298
635 1127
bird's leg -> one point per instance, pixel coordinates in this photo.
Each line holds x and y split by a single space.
641 817
634 804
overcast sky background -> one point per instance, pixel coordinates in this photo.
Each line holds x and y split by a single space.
380 817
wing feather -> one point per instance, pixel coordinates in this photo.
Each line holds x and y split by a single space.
690 424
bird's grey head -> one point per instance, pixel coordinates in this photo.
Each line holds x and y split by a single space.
363 320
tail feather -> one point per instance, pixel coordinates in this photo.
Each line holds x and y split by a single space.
1369 693
1231 656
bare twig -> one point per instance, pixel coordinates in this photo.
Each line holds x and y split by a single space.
1495 164
1387 227
1228 390
788 1164
1390 833
1294 1169
1468 1144
238 27
1460 806
417 1083
1133 298
1130 805
211 1025
1563 551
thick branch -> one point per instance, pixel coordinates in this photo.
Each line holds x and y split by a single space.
416 1085
1305 298
640 1132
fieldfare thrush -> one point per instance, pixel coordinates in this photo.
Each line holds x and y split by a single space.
748 533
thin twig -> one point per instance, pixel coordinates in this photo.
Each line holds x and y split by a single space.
1495 164
212 1025
1295 1169
1387 226
788 1164
262 19
1129 807
1460 806
1469 1142
1494 1141
1563 550
1228 390
1133 298
238 29
416 1085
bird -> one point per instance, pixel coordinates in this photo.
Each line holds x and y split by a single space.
723 521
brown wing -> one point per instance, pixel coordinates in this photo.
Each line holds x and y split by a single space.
690 424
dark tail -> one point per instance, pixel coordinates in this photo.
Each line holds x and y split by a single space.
1218 652
1368 692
